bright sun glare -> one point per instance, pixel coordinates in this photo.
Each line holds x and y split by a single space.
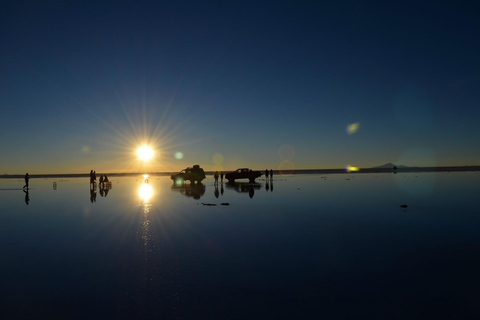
145 153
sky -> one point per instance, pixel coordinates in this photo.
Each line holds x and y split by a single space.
280 85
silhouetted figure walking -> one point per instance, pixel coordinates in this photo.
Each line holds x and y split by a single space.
216 176
221 176
266 174
26 181
271 174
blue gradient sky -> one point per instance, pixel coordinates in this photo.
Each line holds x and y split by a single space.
238 84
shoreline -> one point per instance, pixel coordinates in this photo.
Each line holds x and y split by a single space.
275 172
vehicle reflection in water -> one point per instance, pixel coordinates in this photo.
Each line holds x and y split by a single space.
244 187
195 190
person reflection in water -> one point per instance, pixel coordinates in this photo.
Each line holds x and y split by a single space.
216 191
93 195
251 192
27 197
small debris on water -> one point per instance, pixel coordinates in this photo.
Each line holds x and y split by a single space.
225 204
209 204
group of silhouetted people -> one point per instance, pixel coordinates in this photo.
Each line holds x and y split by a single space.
104 186
93 178
216 175
271 174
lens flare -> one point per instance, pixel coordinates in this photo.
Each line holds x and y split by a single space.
286 168
350 168
217 159
178 155
353 128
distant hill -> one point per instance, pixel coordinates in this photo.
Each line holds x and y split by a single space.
390 166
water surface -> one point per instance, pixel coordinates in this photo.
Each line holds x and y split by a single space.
335 246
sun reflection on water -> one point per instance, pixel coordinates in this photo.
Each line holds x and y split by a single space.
145 192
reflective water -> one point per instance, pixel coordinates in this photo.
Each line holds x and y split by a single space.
302 246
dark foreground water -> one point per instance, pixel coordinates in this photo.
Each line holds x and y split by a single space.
300 247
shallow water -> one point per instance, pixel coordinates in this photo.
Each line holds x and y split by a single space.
301 246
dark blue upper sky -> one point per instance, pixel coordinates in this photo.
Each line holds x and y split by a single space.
233 84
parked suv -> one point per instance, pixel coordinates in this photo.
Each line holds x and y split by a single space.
243 173
189 174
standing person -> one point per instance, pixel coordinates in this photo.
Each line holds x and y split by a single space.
216 176
26 181
94 178
271 174
91 176
266 174
221 176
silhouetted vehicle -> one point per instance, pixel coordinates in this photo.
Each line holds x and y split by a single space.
189 174
243 173
189 190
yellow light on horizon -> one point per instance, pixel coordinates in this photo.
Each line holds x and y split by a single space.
145 153
352 169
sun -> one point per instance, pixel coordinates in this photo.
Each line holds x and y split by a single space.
145 153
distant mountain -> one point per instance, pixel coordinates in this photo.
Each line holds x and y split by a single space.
390 166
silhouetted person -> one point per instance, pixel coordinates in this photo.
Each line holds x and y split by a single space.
100 181
271 174
216 176
221 176
266 174
26 181
94 177
27 198
105 179
91 176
